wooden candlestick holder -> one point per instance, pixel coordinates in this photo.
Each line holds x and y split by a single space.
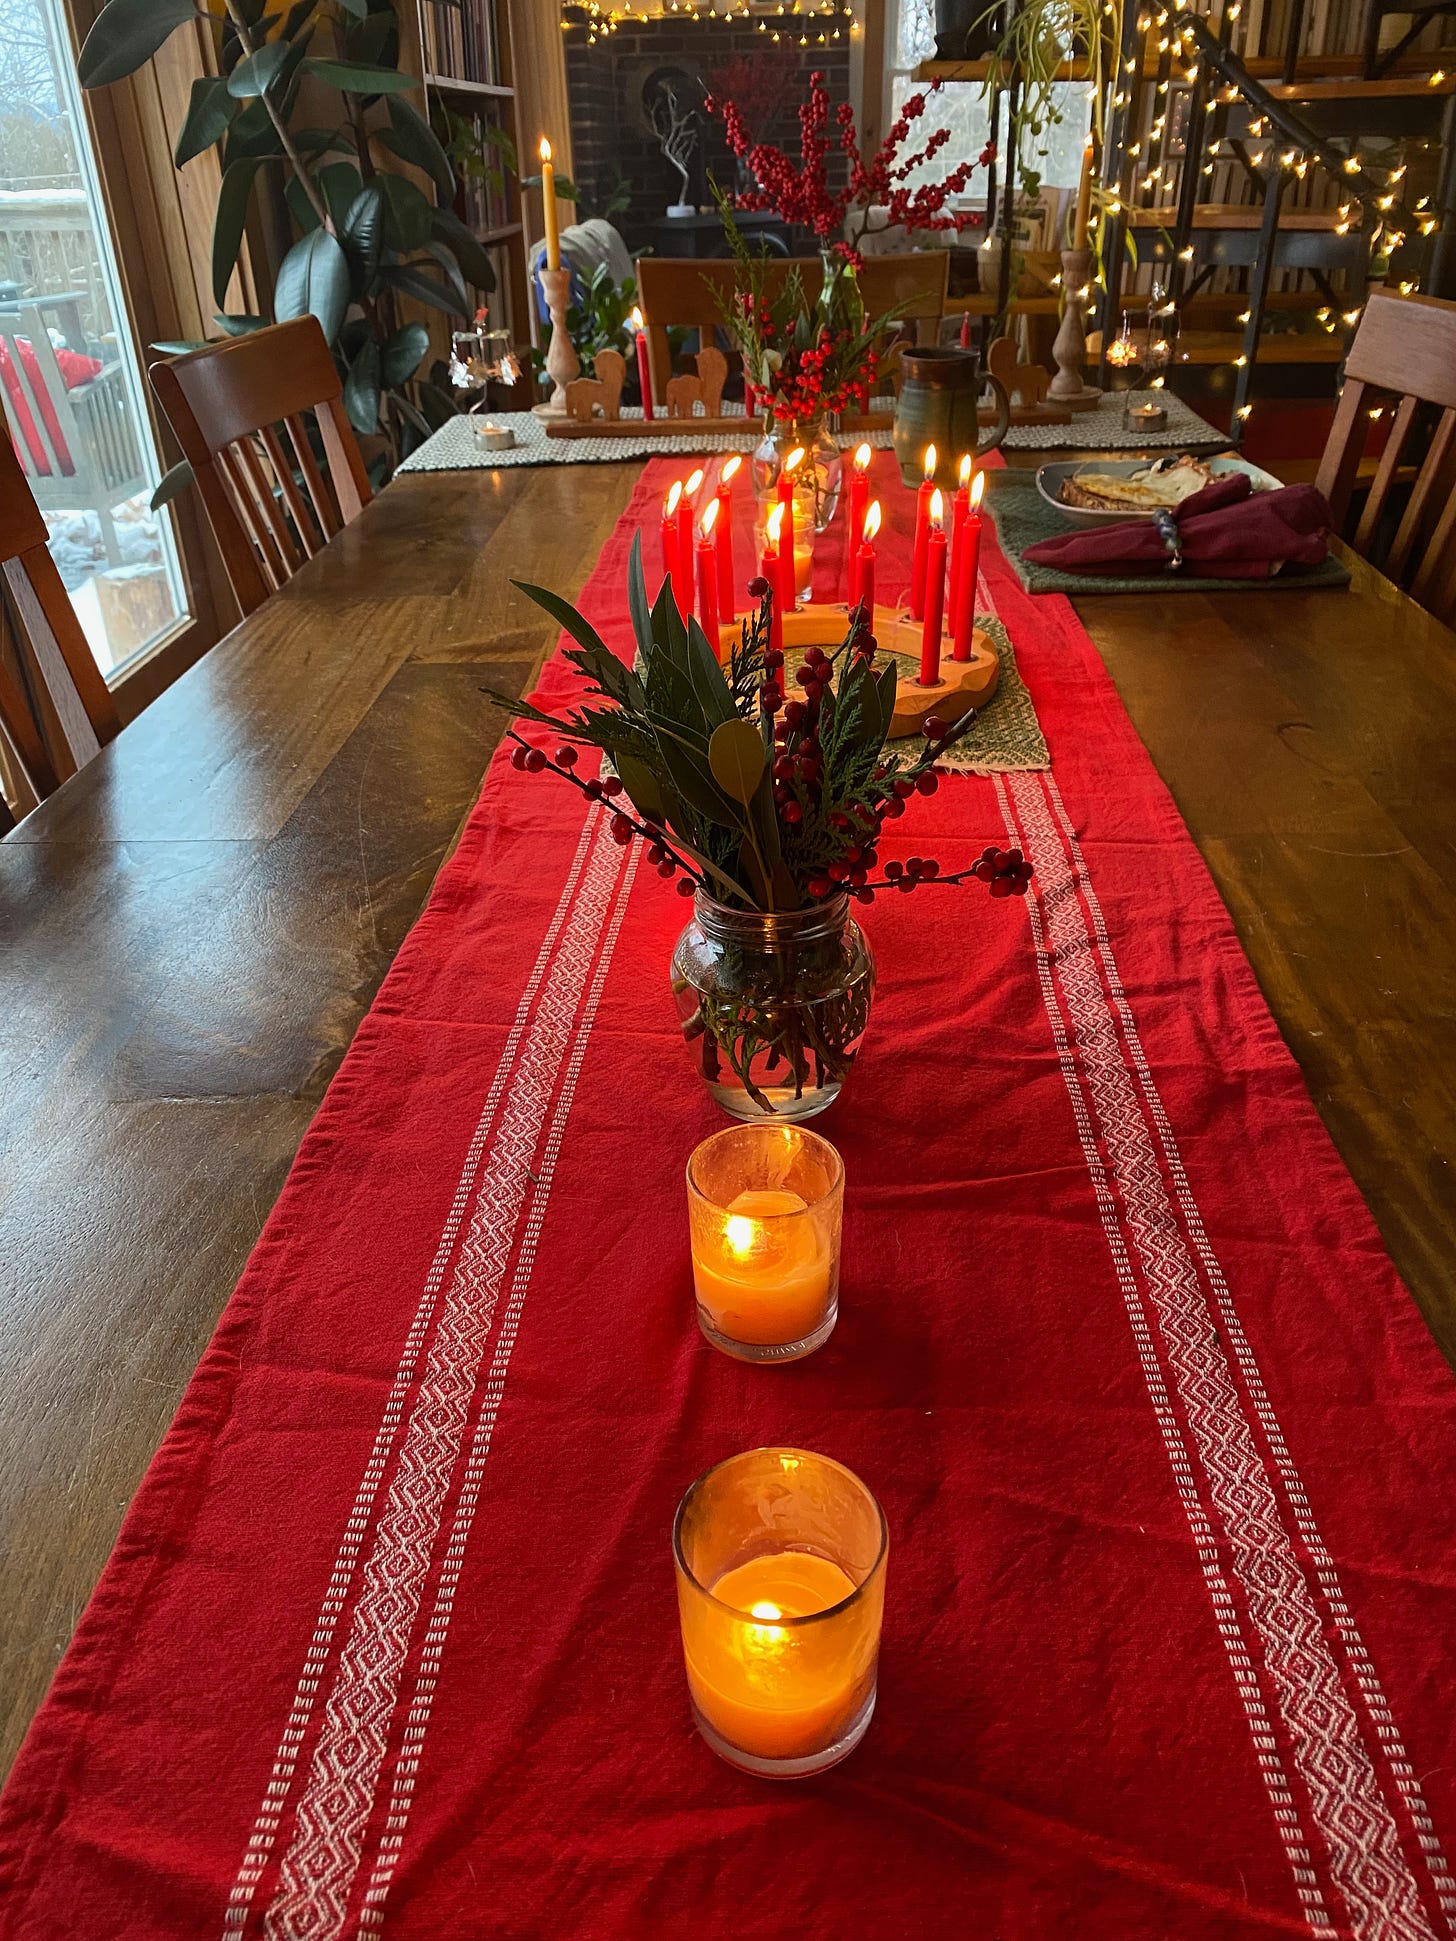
963 684
1070 349
562 362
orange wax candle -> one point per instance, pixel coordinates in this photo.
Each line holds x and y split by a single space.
723 537
708 576
859 493
968 570
934 595
922 537
765 1279
754 1684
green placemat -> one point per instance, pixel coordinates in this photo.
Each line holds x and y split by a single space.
1023 516
1006 737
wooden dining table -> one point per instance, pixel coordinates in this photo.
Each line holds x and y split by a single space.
192 928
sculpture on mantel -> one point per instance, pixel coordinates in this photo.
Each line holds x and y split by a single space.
676 129
706 389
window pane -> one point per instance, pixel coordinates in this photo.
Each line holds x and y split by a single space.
961 106
69 381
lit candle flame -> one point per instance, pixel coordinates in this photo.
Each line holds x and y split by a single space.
937 508
674 493
739 1234
965 470
929 462
695 479
769 1611
545 150
862 457
872 520
775 524
978 486
729 471
710 513
636 319
795 459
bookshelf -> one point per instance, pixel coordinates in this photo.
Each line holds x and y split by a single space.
463 56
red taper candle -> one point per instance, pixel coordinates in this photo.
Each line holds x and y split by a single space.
922 537
934 594
965 330
792 461
723 539
670 565
708 577
859 494
969 570
685 542
865 565
957 520
644 365
768 566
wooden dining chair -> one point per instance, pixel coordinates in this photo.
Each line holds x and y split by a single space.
693 295
1405 346
231 406
55 709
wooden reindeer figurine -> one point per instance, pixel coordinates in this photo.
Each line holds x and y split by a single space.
705 389
584 394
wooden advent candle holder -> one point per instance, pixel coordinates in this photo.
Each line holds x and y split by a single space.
963 684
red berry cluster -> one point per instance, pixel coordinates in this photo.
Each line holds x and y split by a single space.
803 194
533 761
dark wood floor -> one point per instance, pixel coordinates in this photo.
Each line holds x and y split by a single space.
191 931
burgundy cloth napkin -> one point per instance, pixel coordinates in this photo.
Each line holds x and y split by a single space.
1226 531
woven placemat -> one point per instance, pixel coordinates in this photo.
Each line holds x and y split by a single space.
1006 737
455 447
1022 517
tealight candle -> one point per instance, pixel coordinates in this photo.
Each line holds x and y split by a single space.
644 364
494 437
765 1210
1147 416
780 1559
922 537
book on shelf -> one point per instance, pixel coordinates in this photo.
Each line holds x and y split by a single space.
459 40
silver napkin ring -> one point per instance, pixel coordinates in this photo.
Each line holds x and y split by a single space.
1167 527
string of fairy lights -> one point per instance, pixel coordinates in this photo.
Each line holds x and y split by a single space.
1371 195
1371 192
817 23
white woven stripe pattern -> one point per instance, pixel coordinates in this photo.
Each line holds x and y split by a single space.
1354 1818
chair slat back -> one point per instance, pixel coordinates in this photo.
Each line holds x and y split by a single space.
55 709
1406 346
694 295
239 409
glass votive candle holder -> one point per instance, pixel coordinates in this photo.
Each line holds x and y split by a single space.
765 1214
780 1558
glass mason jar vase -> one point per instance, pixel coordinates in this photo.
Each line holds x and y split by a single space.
816 479
773 1006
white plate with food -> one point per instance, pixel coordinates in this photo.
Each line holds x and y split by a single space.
1102 492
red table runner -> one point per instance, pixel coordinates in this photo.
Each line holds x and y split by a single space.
389 1641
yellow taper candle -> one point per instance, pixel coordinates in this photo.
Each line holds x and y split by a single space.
548 207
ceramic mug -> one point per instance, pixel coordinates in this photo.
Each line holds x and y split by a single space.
940 393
